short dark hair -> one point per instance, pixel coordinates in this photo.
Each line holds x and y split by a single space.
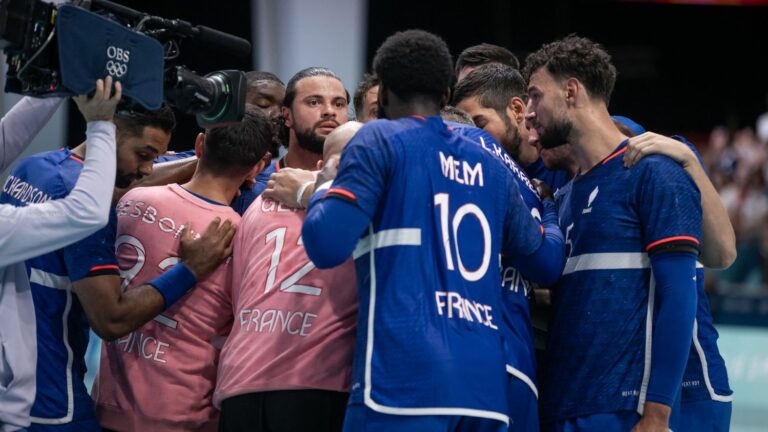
414 63
253 76
369 81
493 84
485 53
131 122
576 57
236 148
456 115
290 89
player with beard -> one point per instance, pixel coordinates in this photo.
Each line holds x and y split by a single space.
80 285
494 95
624 309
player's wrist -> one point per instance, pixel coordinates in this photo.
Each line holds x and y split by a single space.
174 283
656 413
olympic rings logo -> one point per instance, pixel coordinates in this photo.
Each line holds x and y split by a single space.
116 69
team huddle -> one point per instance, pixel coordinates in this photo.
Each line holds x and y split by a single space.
485 249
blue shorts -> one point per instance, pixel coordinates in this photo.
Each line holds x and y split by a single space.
360 418
704 415
523 407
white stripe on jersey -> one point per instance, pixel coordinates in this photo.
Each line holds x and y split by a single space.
607 261
400 237
524 378
705 368
49 280
386 238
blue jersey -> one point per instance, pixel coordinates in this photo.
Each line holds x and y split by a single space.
518 329
442 210
555 179
599 352
62 400
248 194
706 376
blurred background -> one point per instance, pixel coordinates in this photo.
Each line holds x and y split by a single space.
693 68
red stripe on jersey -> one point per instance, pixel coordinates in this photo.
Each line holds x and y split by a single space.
73 157
541 227
105 267
342 192
605 161
671 239
420 117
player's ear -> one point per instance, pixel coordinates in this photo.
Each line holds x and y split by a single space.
199 142
573 90
516 109
445 98
320 164
287 116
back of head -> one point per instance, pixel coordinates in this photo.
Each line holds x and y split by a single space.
369 81
132 122
493 84
414 63
457 115
233 150
338 139
485 53
576 57
290 89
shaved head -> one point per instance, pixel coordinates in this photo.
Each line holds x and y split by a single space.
338 138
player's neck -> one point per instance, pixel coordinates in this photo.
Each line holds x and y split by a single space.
301 158
594 138
219 189
408 109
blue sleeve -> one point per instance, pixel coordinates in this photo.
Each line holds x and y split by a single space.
545 265
175 156
335 222
675 298
690 145
363 170
331 230
93 255
668 206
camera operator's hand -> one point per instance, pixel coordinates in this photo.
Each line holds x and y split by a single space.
284 185
102 105
203 254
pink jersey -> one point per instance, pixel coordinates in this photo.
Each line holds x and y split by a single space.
161 377
294 324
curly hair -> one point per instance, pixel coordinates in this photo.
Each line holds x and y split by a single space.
414 63
493 84
486 53
576 57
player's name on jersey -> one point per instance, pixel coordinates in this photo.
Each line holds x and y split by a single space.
514 281
453 306
23 191
269 206
461 171
149 215
143 346
296 323
497 151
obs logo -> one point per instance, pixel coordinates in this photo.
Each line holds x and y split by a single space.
117 65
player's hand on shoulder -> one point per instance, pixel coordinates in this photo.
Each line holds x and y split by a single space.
543 189
102 104
284 185
203 254
652 143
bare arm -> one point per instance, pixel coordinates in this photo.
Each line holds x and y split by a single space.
179 171
719 239
112 314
